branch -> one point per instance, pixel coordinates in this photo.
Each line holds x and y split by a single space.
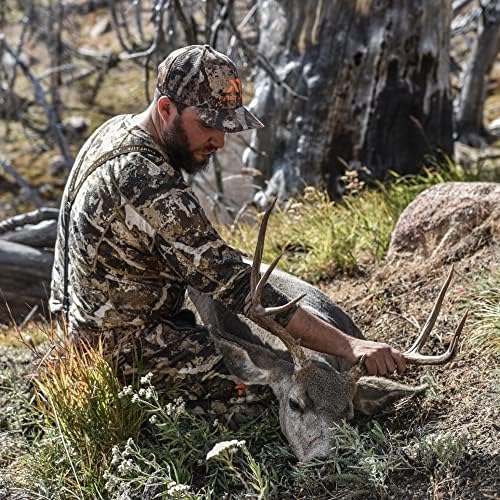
40 97
33 194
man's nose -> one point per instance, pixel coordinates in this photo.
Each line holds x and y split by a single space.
217 138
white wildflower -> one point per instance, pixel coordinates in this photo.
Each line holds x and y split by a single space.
153 419
142 392
223 446
174 488
115 452
128 447
149 393
147 378
125 466
135 398
126 391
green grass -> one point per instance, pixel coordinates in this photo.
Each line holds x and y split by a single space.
483 300
321 238
95 439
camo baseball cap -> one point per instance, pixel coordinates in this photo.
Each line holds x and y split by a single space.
200 77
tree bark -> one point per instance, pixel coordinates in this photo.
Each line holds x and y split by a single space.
26 257
24 280
470 125
375 75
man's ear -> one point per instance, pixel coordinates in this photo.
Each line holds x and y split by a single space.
166 109
374 394
251 364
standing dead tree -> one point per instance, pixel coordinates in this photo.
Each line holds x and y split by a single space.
376 79
486 45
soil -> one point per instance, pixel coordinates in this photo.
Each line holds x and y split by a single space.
385 301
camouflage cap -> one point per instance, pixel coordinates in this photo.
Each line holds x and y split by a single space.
207 80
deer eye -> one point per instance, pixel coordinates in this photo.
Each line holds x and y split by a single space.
294 406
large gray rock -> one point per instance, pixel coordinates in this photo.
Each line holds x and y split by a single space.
448 221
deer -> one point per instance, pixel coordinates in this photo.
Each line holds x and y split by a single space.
314 390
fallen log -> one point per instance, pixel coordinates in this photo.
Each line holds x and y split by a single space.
24 280
26 256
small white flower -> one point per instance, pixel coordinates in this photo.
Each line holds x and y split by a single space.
223 446
153 419
125 466
177 488
147 378
135 398
142 392
149 393
126 391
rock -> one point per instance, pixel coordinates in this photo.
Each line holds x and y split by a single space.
494 127
448 221
102 25
57 166
76 125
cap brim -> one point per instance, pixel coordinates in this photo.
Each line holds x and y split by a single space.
229 120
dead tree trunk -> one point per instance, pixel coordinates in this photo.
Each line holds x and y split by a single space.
26 257
371 88
470 125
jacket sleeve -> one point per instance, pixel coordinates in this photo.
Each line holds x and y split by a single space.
194 251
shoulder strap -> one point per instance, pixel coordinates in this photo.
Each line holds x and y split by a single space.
74 188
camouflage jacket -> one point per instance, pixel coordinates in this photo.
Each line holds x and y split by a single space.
137 238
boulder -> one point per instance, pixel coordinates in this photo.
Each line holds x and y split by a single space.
448 221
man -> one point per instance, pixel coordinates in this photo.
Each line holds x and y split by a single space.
132 235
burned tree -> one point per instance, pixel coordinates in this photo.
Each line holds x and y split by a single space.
485 48
370 84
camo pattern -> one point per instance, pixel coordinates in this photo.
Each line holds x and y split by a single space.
137 238
207 80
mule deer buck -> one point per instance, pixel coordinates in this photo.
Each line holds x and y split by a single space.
314 390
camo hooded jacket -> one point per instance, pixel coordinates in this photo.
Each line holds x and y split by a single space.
137 238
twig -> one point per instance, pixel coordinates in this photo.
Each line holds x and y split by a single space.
240 26
33 194
222 18
54 124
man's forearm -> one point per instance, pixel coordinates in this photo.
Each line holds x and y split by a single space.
316 334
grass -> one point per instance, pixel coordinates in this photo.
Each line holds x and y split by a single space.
483 299
85 436
88 437
321 238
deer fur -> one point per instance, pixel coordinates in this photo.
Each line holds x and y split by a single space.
311 398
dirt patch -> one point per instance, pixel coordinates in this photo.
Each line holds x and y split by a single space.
386 302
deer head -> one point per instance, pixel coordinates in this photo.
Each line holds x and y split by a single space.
314 390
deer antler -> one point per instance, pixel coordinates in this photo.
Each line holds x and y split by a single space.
262 315
412 355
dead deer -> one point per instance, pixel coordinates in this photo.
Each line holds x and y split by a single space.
314 390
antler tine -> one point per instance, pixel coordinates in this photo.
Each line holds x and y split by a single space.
413 358
259 313
431 320
259 248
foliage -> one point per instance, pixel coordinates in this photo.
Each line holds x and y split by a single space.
100 440
320 238
484 301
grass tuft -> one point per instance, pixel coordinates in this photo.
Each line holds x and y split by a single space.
484 301
321 238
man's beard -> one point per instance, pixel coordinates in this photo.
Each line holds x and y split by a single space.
177 145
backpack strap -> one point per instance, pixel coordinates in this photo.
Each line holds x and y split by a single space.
74 188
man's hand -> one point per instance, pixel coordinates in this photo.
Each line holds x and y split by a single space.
380 358
318 335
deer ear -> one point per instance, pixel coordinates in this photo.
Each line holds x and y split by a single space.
374 394
251 364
